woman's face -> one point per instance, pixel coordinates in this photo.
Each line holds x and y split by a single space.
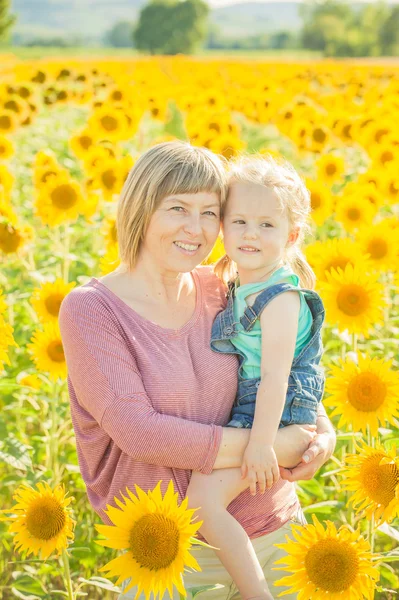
182 231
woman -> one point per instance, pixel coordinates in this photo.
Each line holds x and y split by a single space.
149 398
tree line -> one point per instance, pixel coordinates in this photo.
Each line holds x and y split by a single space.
332 27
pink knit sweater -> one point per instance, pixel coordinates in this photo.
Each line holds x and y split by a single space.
149 403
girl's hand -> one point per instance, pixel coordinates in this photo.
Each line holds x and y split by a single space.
260 466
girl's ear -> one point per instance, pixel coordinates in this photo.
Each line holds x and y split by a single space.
293 235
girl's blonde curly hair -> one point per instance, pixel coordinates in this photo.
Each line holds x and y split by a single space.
294 199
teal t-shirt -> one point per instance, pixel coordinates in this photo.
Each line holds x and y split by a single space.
249 342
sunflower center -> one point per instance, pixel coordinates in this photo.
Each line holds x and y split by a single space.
332 565
5 122
315 200
352 300
53 303
109 179
3 149
85 141
56 351
378 248
353 214
379 481
154 541
109 123
366 392
319 135
331 169
45 518
64 196
387 156
10 239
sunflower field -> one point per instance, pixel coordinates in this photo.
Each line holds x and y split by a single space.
69 133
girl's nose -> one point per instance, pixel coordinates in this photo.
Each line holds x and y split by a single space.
250 233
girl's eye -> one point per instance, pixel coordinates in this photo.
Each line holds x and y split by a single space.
239 221
266 225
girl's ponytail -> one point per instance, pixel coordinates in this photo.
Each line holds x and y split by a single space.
301 267
225 269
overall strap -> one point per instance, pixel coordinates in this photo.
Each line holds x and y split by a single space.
252 313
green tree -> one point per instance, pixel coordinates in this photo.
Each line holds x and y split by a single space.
171 26
6 20
325 24
120 35
389 34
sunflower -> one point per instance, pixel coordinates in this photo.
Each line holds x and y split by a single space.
46 300
109 179
6 179
354 210
110 261
60 200
373 476
6 211
333 253
327 564
6 148
228 145
384 155
363 394
354 299
42 519
12 236
48 352
319 137
108 229
381 243
157 534
109 123
81 143
8 121
29 380
321 201
330 168
6 339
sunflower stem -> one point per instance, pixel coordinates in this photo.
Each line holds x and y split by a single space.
355 343
65 562
53 442
66 250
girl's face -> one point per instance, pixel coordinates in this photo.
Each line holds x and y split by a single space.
182 232
256 231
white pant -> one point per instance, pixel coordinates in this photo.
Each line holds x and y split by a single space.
214 572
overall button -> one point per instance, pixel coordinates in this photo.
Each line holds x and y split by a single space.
228 330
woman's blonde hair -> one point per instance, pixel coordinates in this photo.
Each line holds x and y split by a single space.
165 169
294 199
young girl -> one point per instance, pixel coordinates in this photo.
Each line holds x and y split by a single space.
272 322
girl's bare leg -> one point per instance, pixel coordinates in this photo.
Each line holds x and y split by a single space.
213 493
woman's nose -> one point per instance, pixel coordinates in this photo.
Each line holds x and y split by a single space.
193 226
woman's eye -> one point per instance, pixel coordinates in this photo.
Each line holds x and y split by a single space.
211 213
177 208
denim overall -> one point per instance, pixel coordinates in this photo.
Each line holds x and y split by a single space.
306 379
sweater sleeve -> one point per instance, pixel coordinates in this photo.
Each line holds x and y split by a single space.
105 378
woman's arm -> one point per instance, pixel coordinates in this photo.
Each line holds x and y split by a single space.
290 444
319 451
104 377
